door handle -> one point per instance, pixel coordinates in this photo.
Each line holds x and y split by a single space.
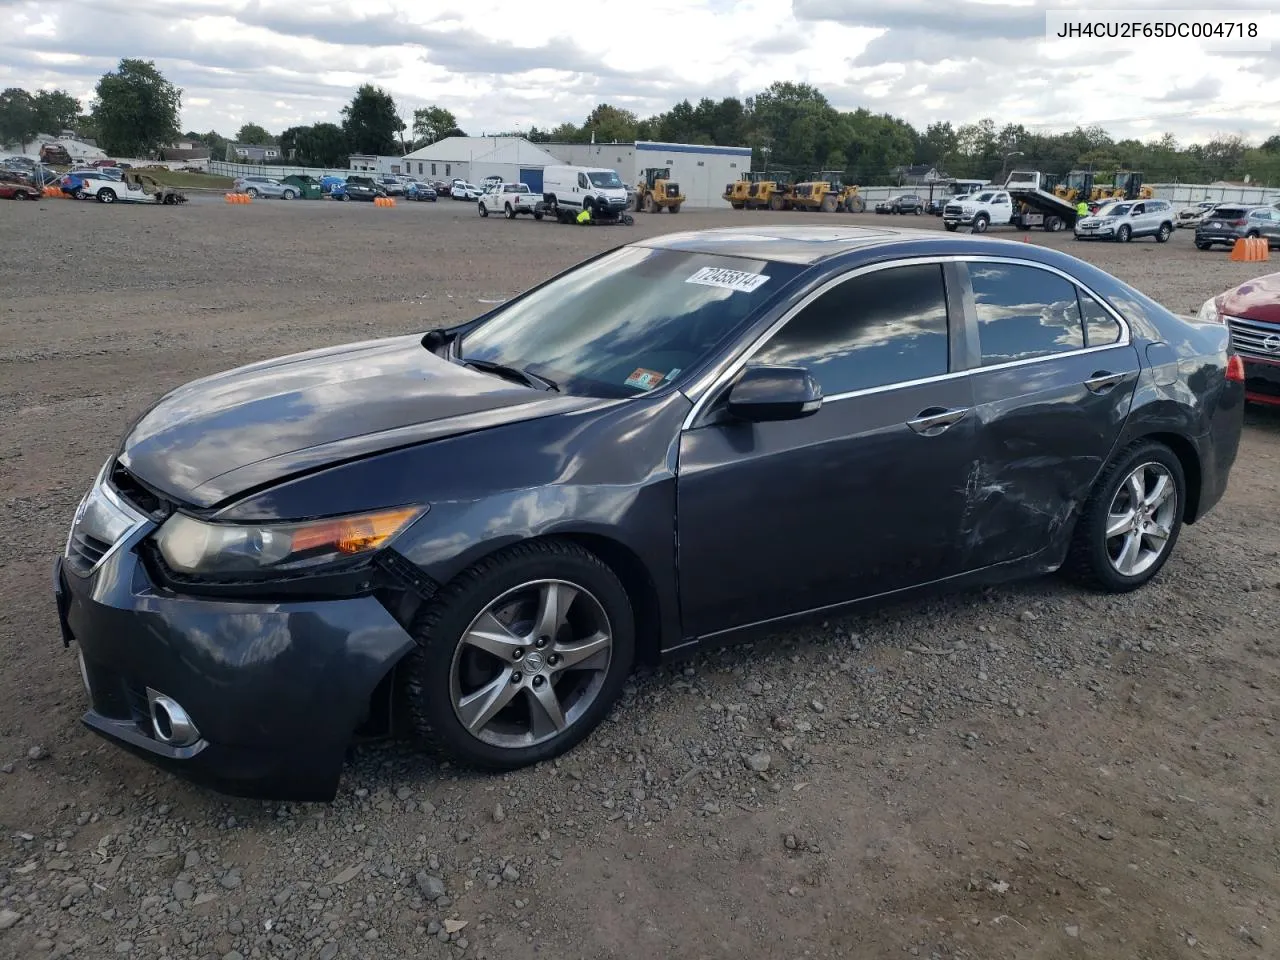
1102 381
935 420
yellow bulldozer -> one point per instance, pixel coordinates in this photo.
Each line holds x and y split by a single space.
738 192
1127 185
1077 186
657 192
827 193
770 191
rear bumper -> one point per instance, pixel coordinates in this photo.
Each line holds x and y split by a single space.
276 690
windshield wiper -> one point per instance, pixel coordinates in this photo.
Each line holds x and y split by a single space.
511 373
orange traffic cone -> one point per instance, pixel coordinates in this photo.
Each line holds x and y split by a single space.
1251 249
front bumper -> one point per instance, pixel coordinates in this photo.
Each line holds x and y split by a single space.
276 690
1261 380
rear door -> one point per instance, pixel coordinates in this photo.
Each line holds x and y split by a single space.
1055 381
863 497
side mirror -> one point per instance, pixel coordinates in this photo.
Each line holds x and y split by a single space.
770 392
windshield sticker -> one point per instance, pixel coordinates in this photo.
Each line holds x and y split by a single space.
728 279
644 379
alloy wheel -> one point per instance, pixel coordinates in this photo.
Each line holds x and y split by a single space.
1140 519
531 663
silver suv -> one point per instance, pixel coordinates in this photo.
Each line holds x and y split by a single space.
265 187
1123 220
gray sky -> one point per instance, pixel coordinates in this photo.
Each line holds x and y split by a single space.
281 62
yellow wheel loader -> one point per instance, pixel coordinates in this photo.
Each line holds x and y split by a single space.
739 193
657 192
771 186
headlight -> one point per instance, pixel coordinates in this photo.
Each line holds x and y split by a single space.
195 547
1209 311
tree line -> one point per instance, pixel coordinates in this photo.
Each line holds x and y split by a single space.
790 126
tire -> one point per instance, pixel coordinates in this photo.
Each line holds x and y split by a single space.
828 204
1090 557
674 208
951 227
1203 246
484 211
1124 234
443 669
980 223
1252 235
649 205
288 195
345 198
537 215
106 195
1053 224
628 220
1164 233
918 211
510 213
775 202
737 204
252 192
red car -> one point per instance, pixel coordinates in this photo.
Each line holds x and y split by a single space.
18 191
1251 312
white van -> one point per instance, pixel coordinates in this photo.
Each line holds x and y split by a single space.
598 188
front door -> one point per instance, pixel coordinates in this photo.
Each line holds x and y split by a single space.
1051 396
865 496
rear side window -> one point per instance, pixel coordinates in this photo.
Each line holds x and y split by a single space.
1024 312
1229 213
1100 328
878 329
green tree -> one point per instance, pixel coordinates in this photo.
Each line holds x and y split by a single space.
609 124
56 110
323 145
135 109
371 123
253 134
18 120
432 124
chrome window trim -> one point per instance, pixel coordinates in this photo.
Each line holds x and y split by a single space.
709 383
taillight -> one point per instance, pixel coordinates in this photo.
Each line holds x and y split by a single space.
1235 368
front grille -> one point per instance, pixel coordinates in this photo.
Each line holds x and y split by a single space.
1255 338
952 210
84 551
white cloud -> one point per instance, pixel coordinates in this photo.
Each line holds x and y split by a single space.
497 65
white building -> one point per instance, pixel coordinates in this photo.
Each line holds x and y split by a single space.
514 159
701 171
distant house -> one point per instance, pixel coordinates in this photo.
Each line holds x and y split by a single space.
254 153
187 150
916 174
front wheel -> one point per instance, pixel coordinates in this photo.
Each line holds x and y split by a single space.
980 223
106 195
1164 233
520 656
918 211
288 195
1131 521
1124 234
484 211
628 220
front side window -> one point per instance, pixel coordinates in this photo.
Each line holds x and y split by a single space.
629 321
881 328
1024 312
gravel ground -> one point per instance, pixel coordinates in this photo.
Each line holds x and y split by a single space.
1021 772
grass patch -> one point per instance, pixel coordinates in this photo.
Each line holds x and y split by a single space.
181 179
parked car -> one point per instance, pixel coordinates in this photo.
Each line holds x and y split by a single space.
1190 216
443 188
359 190
1251 312
1125 220
1227 223
334 518
907 203
265 187
72 182
17 190
461 190
420 191
391 186
511 200
307 185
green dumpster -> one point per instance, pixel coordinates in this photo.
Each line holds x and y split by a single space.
308 186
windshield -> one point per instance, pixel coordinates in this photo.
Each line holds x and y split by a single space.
1115 210
629 321
604 178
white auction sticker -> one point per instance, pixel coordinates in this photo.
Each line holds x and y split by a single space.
729 279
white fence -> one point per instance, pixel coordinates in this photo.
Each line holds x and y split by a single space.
1193 192
220 168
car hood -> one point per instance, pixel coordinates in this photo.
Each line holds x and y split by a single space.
224 435
1257 299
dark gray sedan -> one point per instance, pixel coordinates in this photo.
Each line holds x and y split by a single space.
692 438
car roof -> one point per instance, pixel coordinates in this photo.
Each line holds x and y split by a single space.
789 244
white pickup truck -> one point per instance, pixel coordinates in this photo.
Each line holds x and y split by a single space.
980 210
511 200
